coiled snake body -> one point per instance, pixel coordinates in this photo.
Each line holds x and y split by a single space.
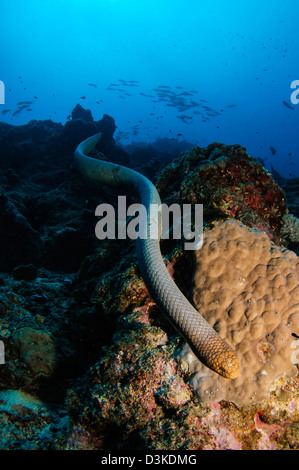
205 343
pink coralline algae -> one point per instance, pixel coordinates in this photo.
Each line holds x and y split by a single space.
267 431
219 429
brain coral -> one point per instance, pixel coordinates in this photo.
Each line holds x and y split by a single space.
248 290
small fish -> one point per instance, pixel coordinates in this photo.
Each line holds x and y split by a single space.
24 102
5 111
83 97
24 106
287 105
273 150
93 85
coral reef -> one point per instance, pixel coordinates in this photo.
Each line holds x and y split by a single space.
137 397
40 192
27 423
111 394
90 362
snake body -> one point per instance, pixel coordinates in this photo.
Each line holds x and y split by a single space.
205 343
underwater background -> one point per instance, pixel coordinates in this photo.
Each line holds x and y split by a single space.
192 71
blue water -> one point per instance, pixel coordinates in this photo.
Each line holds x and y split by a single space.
202 71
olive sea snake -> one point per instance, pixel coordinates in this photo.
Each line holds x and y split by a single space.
205 343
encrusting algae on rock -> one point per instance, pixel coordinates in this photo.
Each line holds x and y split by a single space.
229 183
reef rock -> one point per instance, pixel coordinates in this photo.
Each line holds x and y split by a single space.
37 349
229 183
81 330
15 232
80 113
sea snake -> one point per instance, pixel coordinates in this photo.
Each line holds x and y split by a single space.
203 340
